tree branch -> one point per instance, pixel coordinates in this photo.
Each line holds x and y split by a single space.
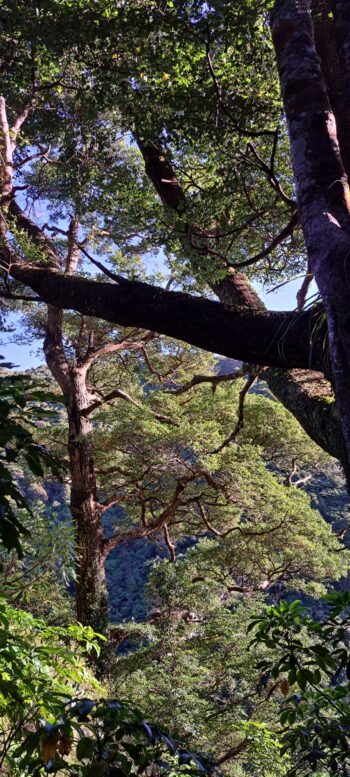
6 151
240 420
267 338
215 380
115 394
168 541
277 240
149 529
35 233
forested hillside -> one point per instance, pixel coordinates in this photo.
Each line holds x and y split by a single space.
174 478
129 565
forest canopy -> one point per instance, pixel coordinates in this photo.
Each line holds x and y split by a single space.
161 162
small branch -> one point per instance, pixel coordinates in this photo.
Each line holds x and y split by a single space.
233 752
73 252
302 293
240 421
35 233
289 478
143 501
302 481
170 545
20 297
120 394
282 235
20 120
206 521
116 394
213 379
107 505
93 354
6 151
39 155
117 278
149 365
157 525
269 172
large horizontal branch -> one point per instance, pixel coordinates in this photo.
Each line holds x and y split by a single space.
267 338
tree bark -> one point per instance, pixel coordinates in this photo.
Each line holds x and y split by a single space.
329 36
91 587
321 184
91 590
310 399
268 338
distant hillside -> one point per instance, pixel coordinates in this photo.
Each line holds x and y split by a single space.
224 366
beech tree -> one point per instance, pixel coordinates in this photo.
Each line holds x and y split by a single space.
158 448
195 87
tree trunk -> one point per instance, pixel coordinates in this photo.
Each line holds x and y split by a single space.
91 589
321 184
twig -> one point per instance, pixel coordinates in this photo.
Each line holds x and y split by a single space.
282 235
271 177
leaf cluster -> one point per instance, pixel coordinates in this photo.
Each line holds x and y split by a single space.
20 409
310 663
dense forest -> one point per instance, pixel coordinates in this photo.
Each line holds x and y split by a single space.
174 477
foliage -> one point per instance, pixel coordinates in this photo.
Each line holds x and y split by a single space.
39 582
310 664
20 408
189 661
268 530
40 666
127 569
105 738
153 70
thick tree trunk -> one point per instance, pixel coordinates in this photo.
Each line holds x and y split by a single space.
91 592
321 184
91 588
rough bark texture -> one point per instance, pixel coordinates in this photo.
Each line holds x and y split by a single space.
321 183
91 588
341 9
267 338
310 399
332 69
